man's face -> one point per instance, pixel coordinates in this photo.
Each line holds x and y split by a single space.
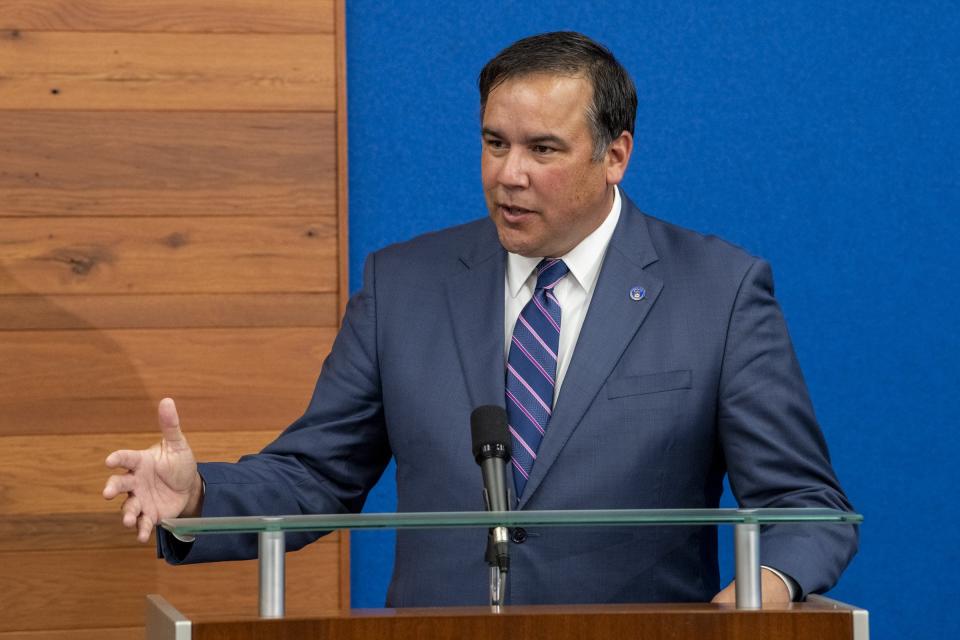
543 189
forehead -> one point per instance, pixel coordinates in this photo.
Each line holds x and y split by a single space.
554 102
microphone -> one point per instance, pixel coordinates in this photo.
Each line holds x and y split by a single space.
491 449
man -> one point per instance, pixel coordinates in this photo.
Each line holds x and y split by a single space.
638 363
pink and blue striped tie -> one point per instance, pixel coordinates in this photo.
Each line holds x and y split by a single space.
532 369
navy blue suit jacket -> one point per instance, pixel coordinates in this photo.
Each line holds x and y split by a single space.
662 397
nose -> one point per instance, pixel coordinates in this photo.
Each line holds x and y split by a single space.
513 172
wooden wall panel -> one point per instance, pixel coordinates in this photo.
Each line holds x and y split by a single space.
78 473
169 255
148 163
170 16
172 222
123 71
111 381
67 588
342 154
66 531
56 525
181 311
119 633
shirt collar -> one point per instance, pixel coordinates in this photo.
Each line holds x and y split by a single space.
583 260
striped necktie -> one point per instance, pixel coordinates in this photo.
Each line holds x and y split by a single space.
532 369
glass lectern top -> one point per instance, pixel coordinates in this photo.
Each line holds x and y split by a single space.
463 519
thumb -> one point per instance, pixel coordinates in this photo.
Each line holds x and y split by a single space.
170 423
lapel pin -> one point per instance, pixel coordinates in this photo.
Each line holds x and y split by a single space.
638 293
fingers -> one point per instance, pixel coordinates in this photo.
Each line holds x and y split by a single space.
170 422
144 528
118 484
126 458
130 511
133 516
728 595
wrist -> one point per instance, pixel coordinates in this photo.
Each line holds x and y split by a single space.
777 581
194 505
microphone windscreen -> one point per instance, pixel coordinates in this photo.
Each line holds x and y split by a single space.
488 426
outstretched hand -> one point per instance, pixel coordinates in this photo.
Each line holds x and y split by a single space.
161 482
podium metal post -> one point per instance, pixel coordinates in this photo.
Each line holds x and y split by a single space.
746 549
272 551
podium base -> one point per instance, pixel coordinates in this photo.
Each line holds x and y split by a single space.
820 618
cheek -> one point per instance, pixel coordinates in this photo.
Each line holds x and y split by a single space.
587 185
488 171
552 183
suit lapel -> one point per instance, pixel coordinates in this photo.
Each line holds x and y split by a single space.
475 298
611 323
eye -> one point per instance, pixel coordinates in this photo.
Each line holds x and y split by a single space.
542 149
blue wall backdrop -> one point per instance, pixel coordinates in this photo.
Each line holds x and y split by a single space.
822 136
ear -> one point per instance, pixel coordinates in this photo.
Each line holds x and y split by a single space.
618 157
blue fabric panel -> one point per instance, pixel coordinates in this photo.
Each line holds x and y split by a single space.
822 136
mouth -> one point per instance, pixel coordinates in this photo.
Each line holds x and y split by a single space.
513 213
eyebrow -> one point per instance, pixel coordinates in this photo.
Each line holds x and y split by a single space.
544 138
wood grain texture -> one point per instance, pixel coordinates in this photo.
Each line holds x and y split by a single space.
124 71
100 588
311 583
651 622
168 255
342 155
103 633
55 163
64 532
344 583
74 382
182 311
172 222
188 16
65 475
72 531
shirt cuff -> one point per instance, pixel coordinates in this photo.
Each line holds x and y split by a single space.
792 587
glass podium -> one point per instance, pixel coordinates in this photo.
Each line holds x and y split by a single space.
271 531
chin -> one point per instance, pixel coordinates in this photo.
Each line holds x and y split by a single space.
513 244
525 239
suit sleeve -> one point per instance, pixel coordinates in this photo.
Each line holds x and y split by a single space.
775 452
325 462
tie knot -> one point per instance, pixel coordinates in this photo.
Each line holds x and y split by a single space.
550 271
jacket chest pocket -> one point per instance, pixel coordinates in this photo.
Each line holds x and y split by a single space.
649 383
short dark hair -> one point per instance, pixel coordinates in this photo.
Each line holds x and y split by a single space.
614 105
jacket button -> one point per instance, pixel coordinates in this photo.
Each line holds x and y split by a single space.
519 535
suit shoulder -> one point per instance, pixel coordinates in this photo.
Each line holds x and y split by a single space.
690 250
432 250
